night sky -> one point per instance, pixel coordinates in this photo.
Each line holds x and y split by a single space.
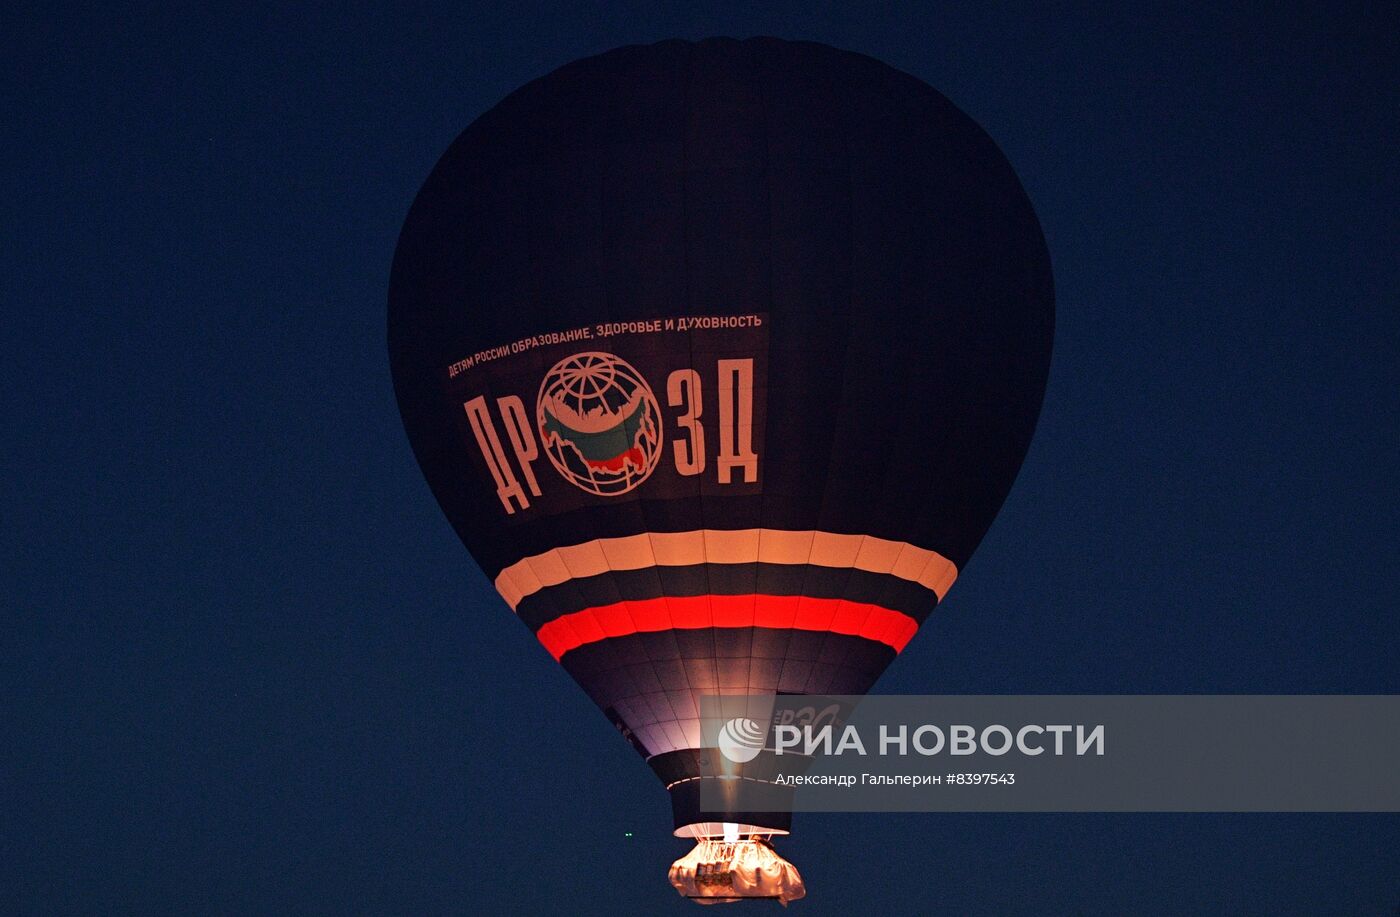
249 669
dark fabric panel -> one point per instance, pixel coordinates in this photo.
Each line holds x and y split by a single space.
727 579
905 276
621 677
686 809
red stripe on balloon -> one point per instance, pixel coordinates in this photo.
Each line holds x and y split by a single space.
857 619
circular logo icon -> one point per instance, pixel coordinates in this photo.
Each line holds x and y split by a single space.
599 423
741 739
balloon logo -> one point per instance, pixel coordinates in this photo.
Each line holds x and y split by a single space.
599 422
741 739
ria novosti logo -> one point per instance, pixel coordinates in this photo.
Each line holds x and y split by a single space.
741 739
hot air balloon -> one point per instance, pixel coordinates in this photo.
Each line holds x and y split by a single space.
720 358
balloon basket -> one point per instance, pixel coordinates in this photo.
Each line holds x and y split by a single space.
724 871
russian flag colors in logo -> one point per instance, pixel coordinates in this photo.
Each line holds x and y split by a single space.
599 423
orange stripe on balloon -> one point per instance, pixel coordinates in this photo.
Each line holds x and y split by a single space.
568 632
903 561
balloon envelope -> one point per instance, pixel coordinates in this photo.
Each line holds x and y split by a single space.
720 358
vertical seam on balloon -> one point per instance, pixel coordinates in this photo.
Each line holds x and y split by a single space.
764 503
686 84
845 340
869 608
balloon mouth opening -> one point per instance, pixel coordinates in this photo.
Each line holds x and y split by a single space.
726 830
727 870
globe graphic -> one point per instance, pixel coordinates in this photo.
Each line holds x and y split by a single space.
599 423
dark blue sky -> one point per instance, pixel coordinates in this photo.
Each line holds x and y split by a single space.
248 668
